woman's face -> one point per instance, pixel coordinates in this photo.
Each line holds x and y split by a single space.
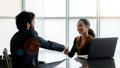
81 27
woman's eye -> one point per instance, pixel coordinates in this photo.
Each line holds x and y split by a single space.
80 25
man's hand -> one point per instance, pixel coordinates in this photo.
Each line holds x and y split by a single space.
66 50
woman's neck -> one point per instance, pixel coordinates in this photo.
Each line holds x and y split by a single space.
84 35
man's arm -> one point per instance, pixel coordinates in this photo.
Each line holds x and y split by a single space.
47 44
50 45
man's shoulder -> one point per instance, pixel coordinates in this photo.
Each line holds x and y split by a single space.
32 32
19 34
27 32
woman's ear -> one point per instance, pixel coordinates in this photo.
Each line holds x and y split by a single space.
88 26
28 25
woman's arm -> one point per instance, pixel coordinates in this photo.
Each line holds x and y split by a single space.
73 50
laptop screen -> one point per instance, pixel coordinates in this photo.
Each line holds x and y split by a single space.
102 47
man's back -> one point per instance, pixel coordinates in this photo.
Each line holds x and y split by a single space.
18 52
20 56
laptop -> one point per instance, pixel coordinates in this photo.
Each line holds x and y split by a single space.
101 63
101 48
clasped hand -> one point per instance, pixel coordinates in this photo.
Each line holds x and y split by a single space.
66 50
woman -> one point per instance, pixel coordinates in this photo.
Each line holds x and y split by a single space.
81 43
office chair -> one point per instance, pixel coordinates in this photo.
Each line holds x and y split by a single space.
7 58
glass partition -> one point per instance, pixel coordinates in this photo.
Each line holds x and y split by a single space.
10 7
7 30
83 8
109 8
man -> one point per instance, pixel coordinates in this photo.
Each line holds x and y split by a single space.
25 43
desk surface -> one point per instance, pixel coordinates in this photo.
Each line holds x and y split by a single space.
81 63
59 60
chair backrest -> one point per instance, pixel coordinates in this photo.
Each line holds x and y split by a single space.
7 58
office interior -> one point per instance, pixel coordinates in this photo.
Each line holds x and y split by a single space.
56 20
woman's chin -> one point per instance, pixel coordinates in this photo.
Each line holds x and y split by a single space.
80 32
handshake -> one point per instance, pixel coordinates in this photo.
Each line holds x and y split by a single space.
66 50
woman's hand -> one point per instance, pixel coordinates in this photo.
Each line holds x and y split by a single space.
66 50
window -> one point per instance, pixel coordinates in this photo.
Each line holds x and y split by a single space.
110 8
10 7
81 8
51 18
7 29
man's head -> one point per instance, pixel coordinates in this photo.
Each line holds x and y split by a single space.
25 20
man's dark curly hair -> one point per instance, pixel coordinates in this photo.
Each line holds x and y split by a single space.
23 18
